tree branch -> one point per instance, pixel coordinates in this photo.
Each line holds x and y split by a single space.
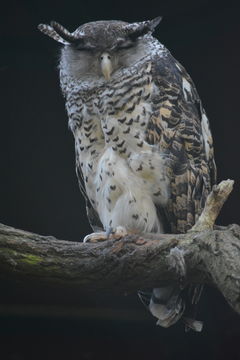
127 264
213 205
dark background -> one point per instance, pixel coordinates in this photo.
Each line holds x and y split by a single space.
39 190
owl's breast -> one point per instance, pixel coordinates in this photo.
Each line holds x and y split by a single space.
125 108
125 111
120 169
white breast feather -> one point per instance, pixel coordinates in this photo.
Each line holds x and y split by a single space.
123 198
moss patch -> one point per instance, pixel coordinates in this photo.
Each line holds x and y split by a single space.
31 259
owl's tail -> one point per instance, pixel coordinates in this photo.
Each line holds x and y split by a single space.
168 306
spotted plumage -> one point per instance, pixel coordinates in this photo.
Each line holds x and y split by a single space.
144 152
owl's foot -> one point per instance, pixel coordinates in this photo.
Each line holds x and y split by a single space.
117 233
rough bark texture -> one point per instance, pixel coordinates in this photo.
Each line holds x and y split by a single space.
124 265
132 262
213 205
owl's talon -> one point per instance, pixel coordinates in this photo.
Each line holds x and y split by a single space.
117 233
109 232
95 237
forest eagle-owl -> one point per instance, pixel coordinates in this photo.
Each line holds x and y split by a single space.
144 151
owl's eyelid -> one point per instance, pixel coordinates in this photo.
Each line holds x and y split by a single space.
84 47
125 45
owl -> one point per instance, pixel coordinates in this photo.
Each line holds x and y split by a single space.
144 150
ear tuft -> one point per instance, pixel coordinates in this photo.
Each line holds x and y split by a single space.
135 30
49 31
64 33
58 32
154 23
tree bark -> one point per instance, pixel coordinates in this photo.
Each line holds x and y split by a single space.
127 264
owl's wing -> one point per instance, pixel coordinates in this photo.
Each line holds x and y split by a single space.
92 215
72 98
180 127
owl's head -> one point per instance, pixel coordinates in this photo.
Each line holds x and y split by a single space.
98 49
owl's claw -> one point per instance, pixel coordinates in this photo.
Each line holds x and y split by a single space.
95 237
117 233
109 231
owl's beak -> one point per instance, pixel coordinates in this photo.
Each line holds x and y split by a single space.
106 65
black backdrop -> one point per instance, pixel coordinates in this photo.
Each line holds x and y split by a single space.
39 190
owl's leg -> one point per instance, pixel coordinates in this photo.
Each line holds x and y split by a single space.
110 233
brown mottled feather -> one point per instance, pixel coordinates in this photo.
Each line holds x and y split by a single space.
176 127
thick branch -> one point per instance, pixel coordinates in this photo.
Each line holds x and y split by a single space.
130 263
